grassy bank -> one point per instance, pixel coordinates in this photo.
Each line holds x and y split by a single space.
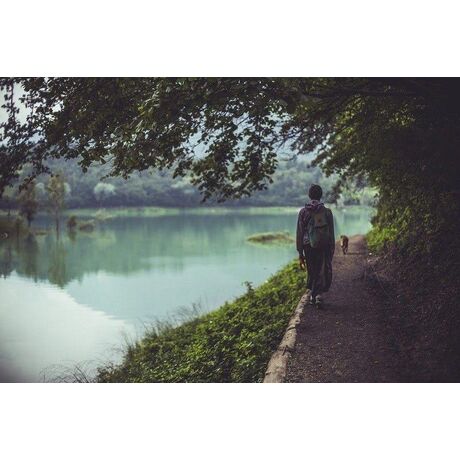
231 344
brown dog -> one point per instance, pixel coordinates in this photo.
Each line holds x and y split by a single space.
344 243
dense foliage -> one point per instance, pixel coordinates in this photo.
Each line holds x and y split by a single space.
231 344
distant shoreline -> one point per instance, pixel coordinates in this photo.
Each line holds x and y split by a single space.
121 211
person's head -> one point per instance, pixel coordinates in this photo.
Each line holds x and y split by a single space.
315 192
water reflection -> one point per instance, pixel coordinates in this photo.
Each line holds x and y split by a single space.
41 326
127 245
67 299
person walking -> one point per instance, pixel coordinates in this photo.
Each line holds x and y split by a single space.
315 243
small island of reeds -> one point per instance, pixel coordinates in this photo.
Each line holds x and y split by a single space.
271 238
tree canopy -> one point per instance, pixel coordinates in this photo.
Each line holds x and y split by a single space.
227 132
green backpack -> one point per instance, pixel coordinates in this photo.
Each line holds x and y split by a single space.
318 229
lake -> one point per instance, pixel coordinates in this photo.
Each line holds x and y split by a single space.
79 297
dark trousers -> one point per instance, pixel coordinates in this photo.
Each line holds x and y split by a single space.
319 269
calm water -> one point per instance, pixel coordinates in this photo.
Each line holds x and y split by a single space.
73 300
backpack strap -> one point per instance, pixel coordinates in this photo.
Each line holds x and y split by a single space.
307 218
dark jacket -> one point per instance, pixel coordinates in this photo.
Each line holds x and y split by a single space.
304 213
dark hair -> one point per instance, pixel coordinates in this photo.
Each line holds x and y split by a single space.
315 192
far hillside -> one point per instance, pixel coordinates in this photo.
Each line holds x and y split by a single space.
159 188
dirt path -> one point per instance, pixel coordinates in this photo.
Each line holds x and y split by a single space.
351 339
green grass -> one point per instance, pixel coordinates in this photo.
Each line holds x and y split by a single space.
271 238
231 344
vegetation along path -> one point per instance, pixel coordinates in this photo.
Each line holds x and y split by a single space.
352 338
